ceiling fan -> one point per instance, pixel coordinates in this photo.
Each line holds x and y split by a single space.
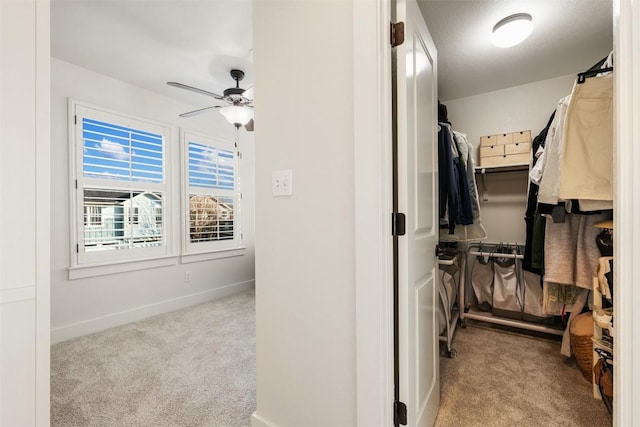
239 108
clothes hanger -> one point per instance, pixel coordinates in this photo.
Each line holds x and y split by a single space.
595 70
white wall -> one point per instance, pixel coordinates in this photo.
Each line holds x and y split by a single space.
513 109
86 305
24 213
305 264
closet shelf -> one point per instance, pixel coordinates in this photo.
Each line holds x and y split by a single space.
484 170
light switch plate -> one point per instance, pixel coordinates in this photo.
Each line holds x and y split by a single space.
282 183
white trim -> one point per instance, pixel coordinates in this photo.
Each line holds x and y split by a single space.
77 181
43 213
374 303
84 271
258 421
90 326
626 14
21 293
188 248
211 255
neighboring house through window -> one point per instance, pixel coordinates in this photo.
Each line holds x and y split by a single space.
212 194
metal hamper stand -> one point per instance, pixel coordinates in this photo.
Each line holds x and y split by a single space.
451 308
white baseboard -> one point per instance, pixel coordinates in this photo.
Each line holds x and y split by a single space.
67 332
258 421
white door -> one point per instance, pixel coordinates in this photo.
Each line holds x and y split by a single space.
419 377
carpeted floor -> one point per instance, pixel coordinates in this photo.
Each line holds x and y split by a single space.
502 378
193 367
196 367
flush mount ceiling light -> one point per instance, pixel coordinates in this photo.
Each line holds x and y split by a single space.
512 30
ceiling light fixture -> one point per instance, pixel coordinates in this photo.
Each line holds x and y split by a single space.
512 30
237 115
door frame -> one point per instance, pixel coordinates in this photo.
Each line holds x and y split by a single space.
626 40
373 207
372 163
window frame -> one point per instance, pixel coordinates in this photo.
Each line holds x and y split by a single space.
78 182
196 251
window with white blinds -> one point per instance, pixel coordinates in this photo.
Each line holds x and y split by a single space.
212 194
120 186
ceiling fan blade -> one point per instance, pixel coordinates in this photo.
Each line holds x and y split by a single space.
249 126
248 93
198 111
195 89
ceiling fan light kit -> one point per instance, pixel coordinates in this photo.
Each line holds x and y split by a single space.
512 30
237 115
239 112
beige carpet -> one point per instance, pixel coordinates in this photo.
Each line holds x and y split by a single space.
509 379
196 367
193 367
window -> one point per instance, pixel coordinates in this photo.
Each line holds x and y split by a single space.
120 186
92 216
212 194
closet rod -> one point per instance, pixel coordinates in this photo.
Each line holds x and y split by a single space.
496 254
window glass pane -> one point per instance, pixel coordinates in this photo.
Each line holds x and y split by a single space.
210 218
211 167
117 152
122 219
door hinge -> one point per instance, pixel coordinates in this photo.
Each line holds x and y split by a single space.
399 413
77 248
76 184
397 34
398 224
75 120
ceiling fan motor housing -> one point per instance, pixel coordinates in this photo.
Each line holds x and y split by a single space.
233 92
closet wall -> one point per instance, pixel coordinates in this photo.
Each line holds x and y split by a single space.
513 109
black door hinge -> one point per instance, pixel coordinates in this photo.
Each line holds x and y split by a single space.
397 34
398 224
399 413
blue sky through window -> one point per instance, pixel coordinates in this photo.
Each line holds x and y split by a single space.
117 152
211 167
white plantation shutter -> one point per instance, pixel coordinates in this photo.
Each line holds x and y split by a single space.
212 194
120 186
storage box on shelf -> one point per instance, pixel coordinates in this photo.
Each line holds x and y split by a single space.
505 149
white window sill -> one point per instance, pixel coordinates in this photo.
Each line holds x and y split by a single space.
84 271
211 255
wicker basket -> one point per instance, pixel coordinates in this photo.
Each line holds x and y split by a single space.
581 331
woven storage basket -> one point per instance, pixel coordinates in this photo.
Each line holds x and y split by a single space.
581 331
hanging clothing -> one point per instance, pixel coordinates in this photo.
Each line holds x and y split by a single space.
455 202
570 250
532 200
550 168
587 163
475 230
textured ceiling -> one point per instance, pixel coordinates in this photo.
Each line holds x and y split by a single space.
568 37
197 42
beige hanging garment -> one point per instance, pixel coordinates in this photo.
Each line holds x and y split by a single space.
587 160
